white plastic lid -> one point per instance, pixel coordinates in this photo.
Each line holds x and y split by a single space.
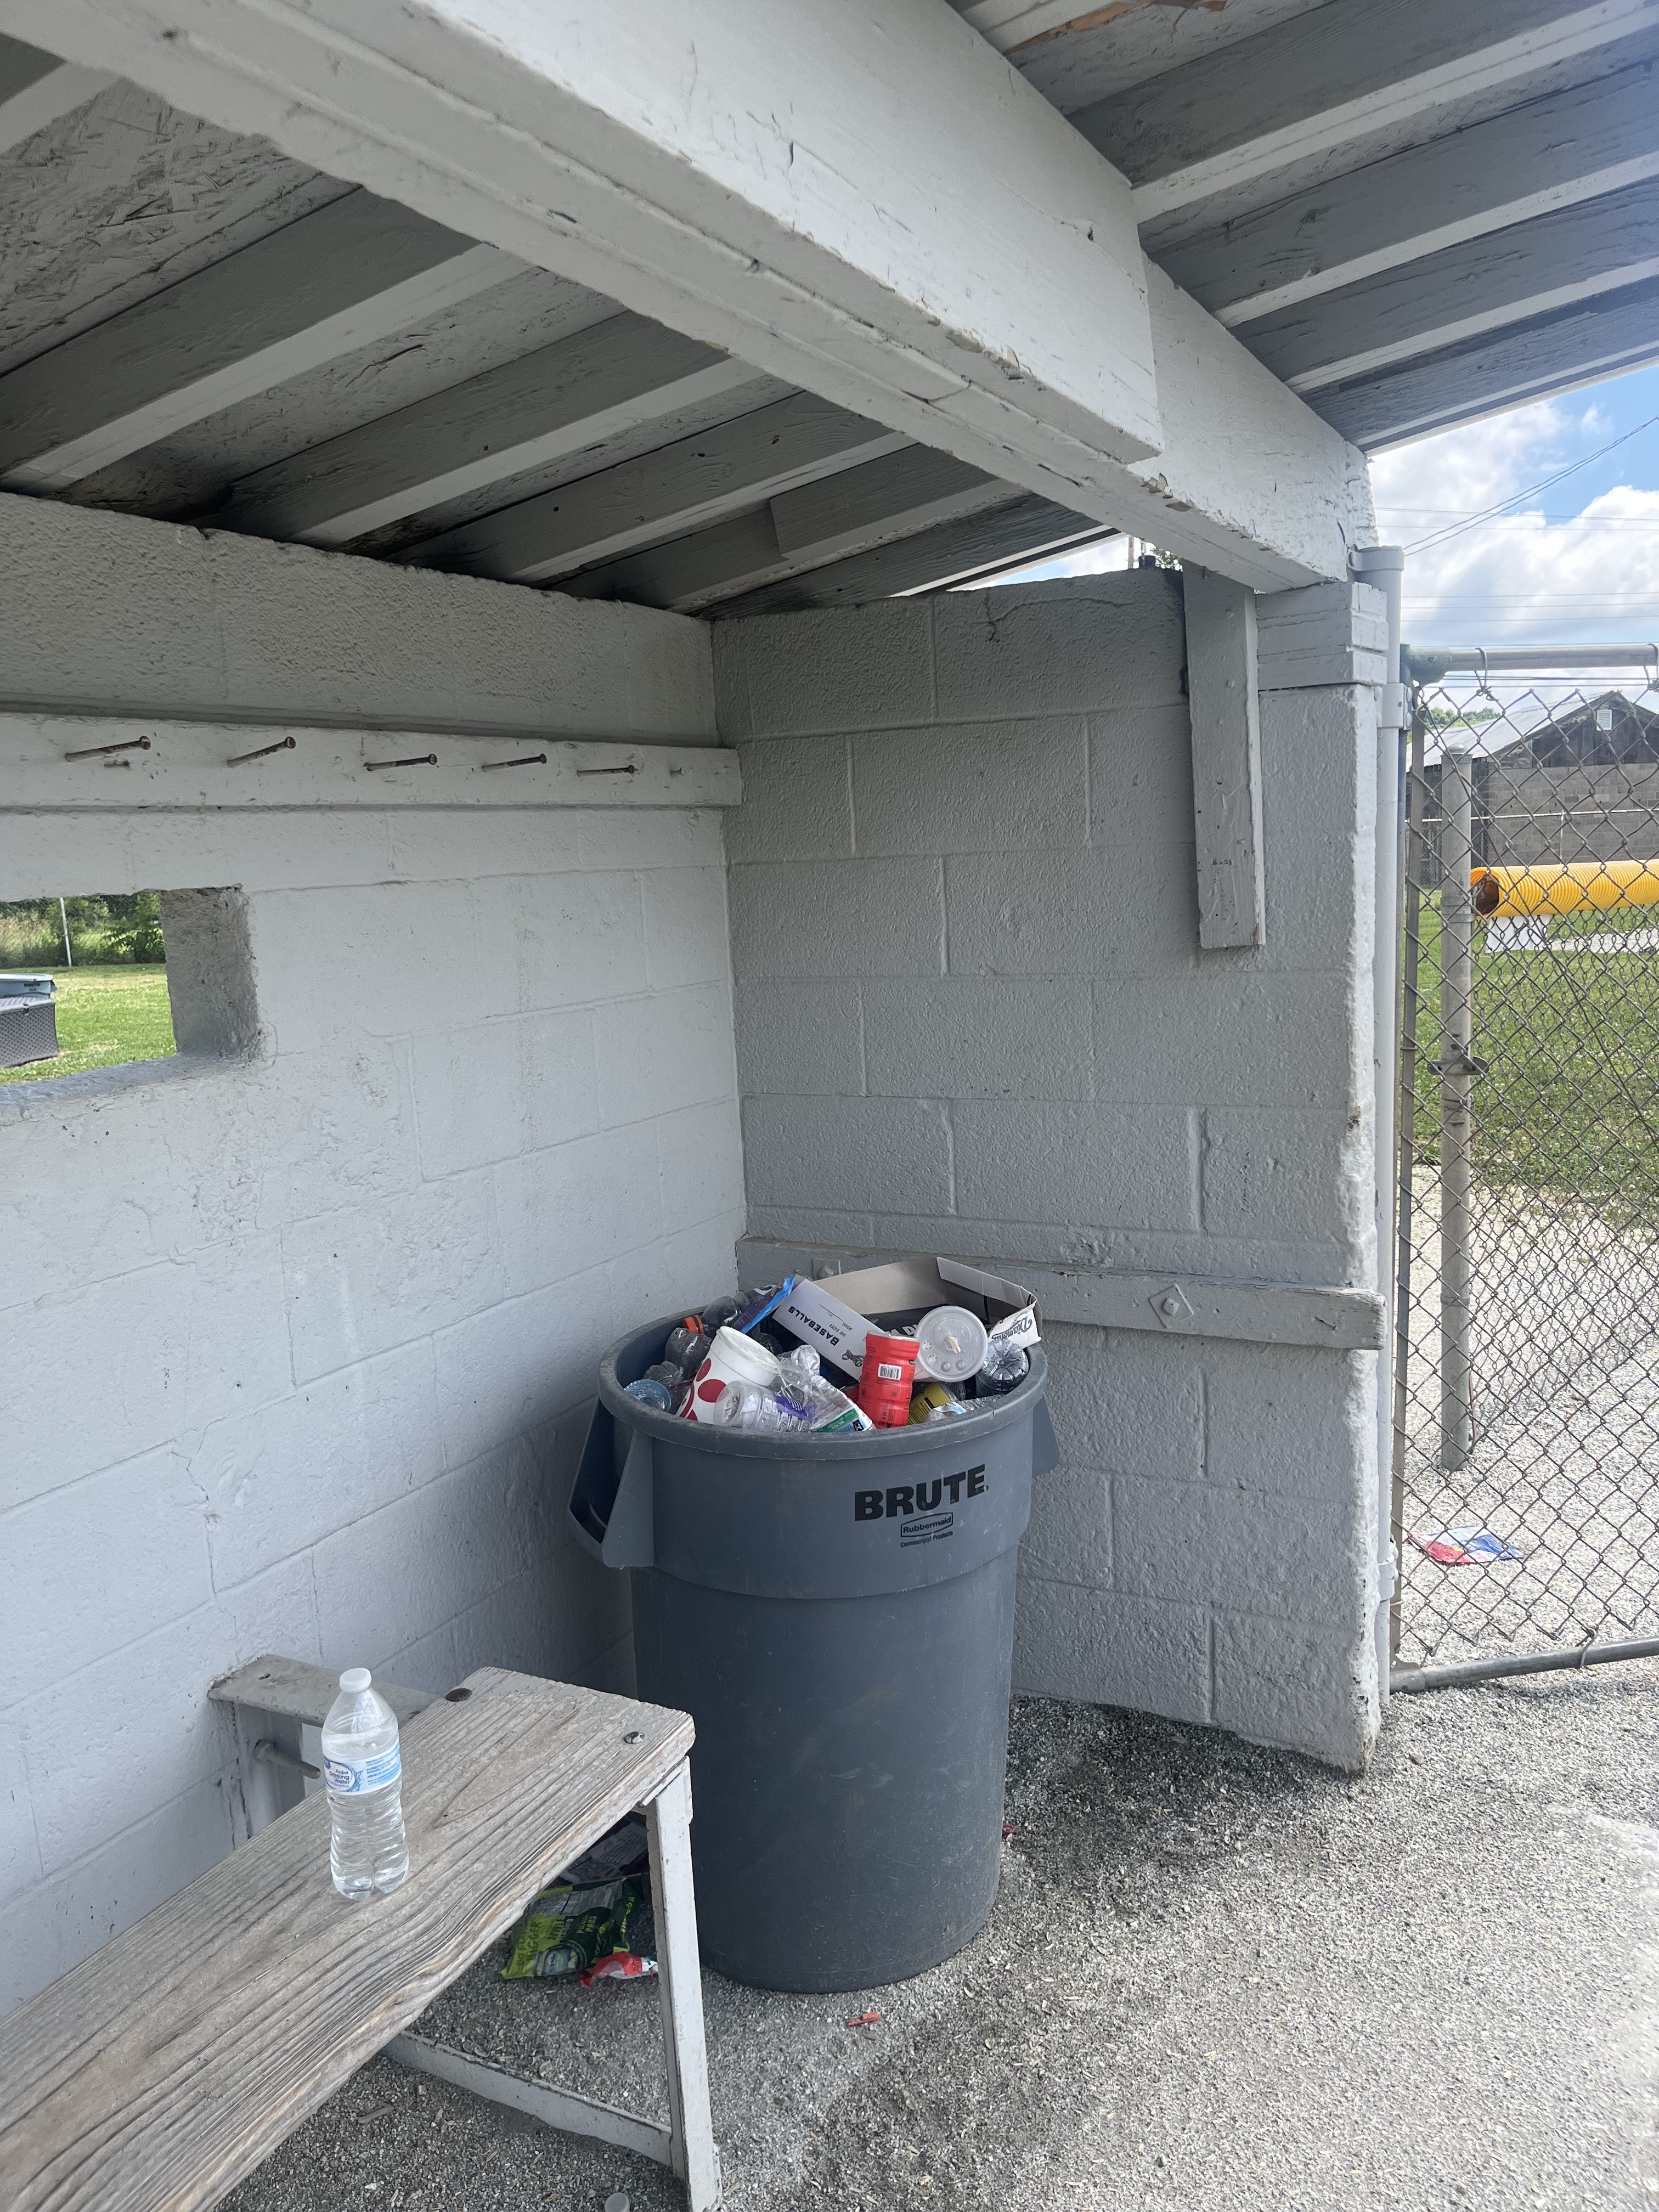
355 1681
738 1359
951 1343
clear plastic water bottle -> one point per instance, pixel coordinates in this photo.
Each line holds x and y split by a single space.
362 1767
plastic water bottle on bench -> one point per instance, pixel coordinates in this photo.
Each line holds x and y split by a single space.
362 1767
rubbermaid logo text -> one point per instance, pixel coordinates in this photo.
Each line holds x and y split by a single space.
906 1499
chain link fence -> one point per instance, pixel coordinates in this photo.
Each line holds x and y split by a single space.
1527 1382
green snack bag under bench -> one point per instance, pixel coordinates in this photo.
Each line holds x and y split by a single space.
574 1924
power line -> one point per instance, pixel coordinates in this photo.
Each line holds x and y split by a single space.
1439 536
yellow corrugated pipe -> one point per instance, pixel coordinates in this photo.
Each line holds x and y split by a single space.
1555 887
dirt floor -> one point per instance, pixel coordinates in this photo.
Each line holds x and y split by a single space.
1217 1978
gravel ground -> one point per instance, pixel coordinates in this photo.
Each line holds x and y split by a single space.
1565 1465
1217 1978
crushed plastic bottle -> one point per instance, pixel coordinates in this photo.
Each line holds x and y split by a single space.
825 1409
687 1347
761 1413
650 1392
362 1766
1006 1368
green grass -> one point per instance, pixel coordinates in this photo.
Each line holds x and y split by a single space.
106 1016
1568 1102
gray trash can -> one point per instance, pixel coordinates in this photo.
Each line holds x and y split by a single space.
837 1615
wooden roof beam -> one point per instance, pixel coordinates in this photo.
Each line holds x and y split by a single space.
1552 153
595 385
979 546
353 271
1486 376
709 164
1555 261
36 88
880 501
712 166
687 486
1321 80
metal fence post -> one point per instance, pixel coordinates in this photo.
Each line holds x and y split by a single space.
1456 1072
1405 1149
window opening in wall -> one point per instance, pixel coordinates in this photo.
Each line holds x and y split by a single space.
83 984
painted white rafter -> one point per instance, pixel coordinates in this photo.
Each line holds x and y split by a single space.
1552 153
1347 70
380 314
837 197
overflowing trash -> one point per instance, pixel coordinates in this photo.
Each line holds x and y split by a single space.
887 1347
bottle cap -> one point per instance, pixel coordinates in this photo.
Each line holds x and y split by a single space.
355 1681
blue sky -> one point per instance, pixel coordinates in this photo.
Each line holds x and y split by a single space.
1575 561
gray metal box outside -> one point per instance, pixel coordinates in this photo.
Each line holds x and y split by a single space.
28 1020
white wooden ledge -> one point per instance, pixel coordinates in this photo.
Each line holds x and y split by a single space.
186 765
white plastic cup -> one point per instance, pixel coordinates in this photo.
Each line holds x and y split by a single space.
733 1359
951 1343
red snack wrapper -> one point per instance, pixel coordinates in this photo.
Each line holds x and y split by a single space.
620 1966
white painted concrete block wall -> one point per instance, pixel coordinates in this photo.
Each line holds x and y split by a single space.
973 1016
295 1344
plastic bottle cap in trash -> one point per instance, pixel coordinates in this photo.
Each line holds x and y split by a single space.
355 1681
951 1343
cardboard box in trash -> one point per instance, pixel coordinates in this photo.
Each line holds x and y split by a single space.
833 1314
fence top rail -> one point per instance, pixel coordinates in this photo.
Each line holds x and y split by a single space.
1426 664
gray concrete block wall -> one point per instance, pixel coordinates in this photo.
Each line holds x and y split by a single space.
302 1342
973 1016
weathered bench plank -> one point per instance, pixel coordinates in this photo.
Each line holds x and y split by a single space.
156 2075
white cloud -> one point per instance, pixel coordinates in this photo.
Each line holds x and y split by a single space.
1519 578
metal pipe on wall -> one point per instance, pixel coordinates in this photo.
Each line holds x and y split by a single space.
1456 1068
1384 567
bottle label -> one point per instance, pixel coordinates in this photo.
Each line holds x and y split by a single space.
351 1777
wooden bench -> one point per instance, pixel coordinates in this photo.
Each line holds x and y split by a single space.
155 2074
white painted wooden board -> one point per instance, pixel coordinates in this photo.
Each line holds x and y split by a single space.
157 2073
187 765
594 385
1025 528
300 1691
1221 686
879 499
1556 152
1327 1316
1504 368
335 279
726 164
1551 262
868 202
668 1829
1351 69
1323 634
690 485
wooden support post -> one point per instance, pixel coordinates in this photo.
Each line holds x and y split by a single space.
1221 686
668 1825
